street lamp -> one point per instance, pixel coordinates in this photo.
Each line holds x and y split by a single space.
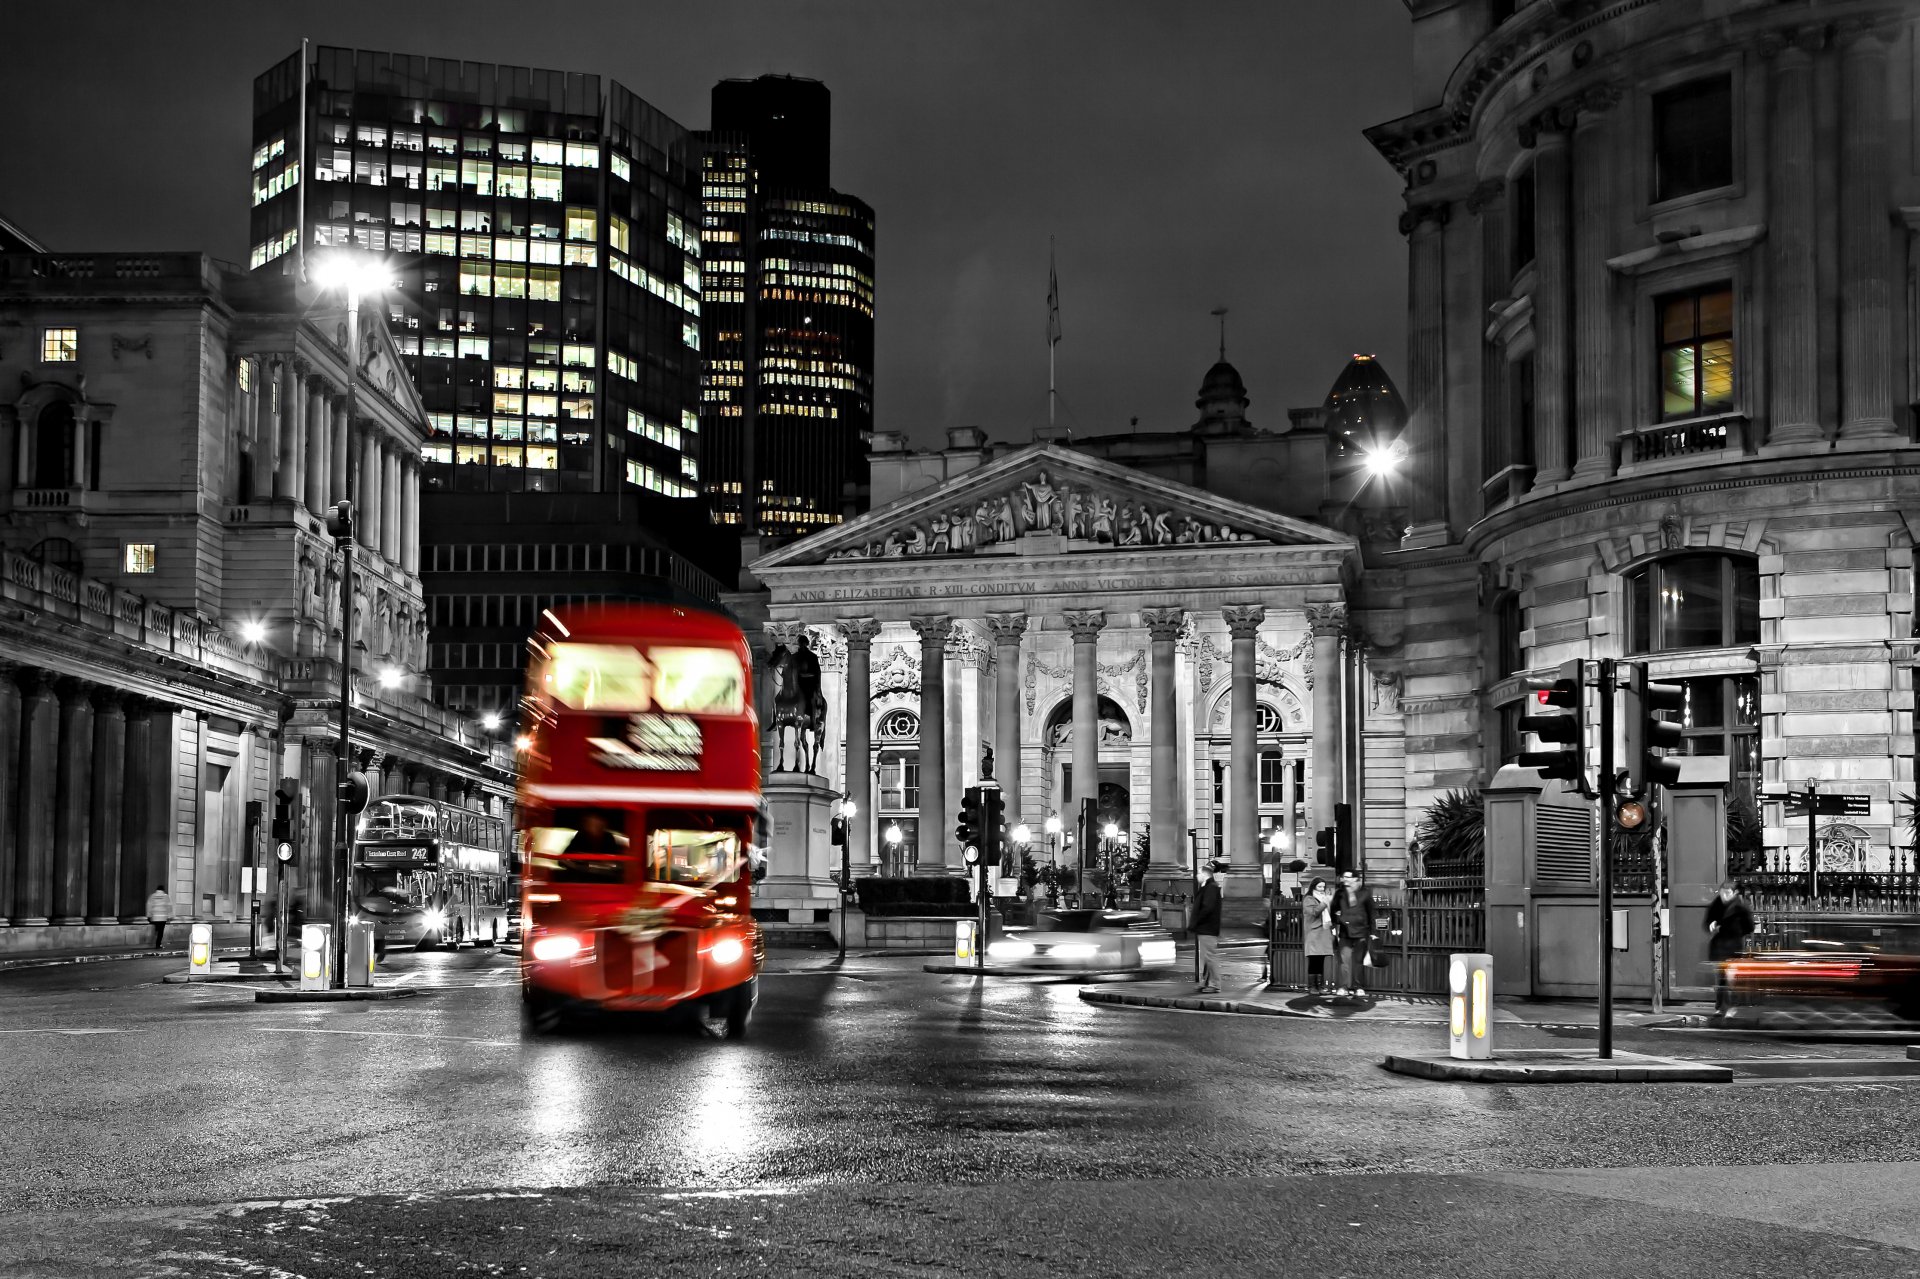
353 274
1383 460
392 677
490 721
848 811
253 631
893 837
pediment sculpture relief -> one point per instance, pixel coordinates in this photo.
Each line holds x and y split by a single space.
1080 513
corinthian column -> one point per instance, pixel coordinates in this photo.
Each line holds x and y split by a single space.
286 435
390 505
934 845
340 438
1167 845
1426 373
317 441
9 786
410 515
1085 625
1552 299
39 751
73 805
1243 836
109 804
1327 622
367 505
1793 400
860 633
1866 320
1008 628
1594 374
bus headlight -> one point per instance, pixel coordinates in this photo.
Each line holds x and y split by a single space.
727 950
556 946
436 920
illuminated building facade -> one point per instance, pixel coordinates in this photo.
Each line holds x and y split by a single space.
545 236
789 310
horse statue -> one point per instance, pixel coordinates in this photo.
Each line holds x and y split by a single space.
798 704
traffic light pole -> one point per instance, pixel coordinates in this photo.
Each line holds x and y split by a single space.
343 866
1608 803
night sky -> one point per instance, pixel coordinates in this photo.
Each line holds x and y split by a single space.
1185 156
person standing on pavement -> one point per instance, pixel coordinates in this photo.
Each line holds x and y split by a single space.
1729 921
1316 933
159 911
1352 925
1206 929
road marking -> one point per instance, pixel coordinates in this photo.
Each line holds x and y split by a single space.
383 1034
56 1030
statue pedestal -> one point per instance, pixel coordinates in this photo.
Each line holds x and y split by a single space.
800 860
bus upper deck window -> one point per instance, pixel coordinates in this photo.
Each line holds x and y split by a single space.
598 677
698 681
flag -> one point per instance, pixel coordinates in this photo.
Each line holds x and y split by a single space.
1053 300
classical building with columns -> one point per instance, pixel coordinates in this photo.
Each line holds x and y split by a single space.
1664 360
170 433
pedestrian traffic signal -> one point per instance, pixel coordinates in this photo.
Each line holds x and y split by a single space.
353 792
993 819
1648 732
340 520
968 829
1567 760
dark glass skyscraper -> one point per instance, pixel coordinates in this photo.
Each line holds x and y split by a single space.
788 325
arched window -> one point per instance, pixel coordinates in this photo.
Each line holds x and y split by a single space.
53 446
899 726
1693 601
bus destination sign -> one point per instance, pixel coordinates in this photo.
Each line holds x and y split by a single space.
654 743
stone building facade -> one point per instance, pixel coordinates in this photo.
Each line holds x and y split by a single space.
170 434
1662 376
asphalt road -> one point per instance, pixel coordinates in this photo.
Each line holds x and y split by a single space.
880 1120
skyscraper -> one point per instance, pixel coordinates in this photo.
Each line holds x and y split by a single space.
788 324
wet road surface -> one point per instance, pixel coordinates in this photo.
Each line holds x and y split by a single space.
882 1120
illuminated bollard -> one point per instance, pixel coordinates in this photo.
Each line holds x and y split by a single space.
1470 1006
360 954
963 938
200 950
315 956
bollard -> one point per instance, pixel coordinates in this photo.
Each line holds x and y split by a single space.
315 956
963 938
200 950
360 954
1470 1006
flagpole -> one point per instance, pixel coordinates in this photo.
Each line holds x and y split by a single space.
1053 330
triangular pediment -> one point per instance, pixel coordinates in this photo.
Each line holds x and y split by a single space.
1049 500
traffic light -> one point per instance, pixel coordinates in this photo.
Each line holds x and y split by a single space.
1324 846
839 835
967 829
339 519
1568 759
993 820
1343 836
353 792
282 817
1647 732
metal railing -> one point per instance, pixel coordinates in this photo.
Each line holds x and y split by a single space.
1416 926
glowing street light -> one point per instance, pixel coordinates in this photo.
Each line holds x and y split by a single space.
490 721
252 631
1110 830
523 743
1023 834
1053 824
894 835
1385 459
392 677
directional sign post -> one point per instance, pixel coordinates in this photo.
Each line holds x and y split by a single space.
1812 803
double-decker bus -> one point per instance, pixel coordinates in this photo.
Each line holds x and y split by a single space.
428 873
639 813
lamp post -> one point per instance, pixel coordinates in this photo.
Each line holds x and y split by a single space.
1054 826
848 811
1108 833
1276 844
354 275
893 838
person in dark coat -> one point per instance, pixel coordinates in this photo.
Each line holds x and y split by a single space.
1206 929
1352 925
1316 933
1729 922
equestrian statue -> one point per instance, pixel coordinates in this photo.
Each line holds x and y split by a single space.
798 704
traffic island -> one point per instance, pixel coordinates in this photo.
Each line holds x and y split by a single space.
231 972
333 996
1555 1066
1194 1004
962 969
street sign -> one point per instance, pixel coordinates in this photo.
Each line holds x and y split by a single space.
1826 805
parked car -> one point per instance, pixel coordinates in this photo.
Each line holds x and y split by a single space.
1086 941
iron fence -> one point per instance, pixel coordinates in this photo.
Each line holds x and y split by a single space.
1831 893
1416 925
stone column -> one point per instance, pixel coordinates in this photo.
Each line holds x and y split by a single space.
1327 622
409 515
1426 434
437 788
39 759
860 633
1289 796
1793 371
1488 204
317 446
367 505
1594 375
109 807
1008 629
1167 847
73 805
390 504
9 787
1866 319
1552 302
286 434
339 441
137 765
1085 625
1243 836
934 845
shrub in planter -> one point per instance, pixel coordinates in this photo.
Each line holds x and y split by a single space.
913 895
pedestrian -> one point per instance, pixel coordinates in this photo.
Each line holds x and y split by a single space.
1352 925
1729 921
1316 924
159 911
1206 929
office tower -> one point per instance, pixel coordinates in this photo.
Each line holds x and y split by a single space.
788 325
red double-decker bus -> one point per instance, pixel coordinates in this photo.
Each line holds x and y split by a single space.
639 816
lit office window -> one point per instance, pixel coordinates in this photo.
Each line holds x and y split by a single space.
1696 352
59 346
141 558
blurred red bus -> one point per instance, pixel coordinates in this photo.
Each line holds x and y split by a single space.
639 815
